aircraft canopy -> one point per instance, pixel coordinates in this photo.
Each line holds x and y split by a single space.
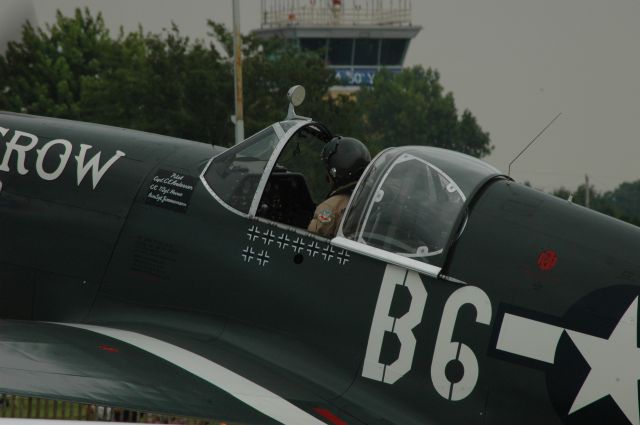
409 204
410 199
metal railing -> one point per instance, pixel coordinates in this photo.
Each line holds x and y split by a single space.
13 406
289 13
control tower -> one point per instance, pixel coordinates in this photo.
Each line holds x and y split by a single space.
356 38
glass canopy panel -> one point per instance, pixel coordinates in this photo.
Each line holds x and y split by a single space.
287 125
234 175
410 200
297 182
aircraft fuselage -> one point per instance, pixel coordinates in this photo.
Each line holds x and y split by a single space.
117 228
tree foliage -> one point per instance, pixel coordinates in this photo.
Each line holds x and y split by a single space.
43 73
412 108
163 83
169 84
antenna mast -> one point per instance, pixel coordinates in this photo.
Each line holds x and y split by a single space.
531 142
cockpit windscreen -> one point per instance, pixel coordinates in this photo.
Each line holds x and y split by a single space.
235 174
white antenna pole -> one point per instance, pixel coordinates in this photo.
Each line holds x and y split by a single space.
237 72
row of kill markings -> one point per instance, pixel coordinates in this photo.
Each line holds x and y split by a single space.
267 238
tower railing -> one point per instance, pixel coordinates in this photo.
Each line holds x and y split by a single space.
289 13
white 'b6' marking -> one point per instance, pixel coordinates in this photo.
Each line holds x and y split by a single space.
445 350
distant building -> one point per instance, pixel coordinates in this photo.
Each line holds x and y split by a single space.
356 38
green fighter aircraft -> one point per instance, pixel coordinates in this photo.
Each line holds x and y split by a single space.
163 275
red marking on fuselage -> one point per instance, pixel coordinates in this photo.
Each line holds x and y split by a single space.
547 260
328 415
108 348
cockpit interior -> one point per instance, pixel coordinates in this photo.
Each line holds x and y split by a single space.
410 203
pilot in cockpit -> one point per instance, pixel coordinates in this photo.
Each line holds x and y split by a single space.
345 159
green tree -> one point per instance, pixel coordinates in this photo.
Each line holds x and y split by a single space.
43 73
411 107
626 199
163 83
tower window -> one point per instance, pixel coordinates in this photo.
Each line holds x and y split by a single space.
340 50
392 51
314 45
366 52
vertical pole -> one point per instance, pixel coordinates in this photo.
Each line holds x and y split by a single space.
237 72
587 194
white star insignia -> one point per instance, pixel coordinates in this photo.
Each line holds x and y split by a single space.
615 366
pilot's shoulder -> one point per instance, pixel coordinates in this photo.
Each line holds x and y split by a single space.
335 201
328 206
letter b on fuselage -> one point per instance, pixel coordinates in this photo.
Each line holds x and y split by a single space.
402 326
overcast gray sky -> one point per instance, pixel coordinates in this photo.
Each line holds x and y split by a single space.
514 63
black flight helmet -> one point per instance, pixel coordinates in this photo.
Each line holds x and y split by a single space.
345 159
